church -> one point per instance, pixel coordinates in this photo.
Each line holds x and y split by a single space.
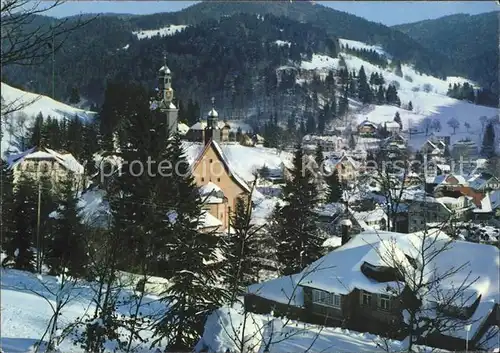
220 186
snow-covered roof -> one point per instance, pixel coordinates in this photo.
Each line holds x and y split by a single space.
375 215
391 124
490 202
182 128
340 271
368 123
330 209
444 167
209 188
208 221
202 125
65 159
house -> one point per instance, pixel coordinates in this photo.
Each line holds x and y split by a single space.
328 143
488 207
361 285
464 149
44 162
483 182
392 127
346 167
182 129
196 131
423 210
367 127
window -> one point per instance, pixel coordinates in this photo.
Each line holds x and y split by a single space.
202 180
211 160
325 298
218 179
384 302
366 298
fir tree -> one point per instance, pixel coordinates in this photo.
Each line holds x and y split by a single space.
19 242
74 97
297 236
488 145
36 139
380 95
241 250
319 157
194 293
398 120
67 246
334 188
310 125
364 91
410 106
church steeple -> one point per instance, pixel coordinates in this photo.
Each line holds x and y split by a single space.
166 77
212 131
167 95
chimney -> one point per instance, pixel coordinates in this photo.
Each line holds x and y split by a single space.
346 225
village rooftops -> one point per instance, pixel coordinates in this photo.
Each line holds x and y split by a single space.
65 159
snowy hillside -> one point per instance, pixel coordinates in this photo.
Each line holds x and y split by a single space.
427 94
162 32
28 106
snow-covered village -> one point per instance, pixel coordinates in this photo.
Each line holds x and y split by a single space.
249 177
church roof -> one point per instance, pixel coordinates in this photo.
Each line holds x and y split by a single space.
229 169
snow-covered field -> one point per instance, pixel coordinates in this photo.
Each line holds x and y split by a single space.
27 106
26 314
164 31
26 311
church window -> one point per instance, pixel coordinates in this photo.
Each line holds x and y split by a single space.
218 179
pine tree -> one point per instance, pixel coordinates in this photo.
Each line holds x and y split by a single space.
74 139
310 125
67 246
398 71
488 146
74 97
364 91
319 157
19 241
297 236
344 103
241 250
334 187
380 95
35 139
194 293
8 226
398 120
410 106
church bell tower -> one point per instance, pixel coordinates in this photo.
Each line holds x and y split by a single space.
166 105
212 131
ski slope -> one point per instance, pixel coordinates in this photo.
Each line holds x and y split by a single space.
427 94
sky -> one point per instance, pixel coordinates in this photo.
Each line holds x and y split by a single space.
389 13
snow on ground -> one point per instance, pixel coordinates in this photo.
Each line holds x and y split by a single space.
354 44
320 62
164 31
28 106
26 314
282 43
226 328
429 100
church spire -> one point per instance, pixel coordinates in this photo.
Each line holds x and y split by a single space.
167 95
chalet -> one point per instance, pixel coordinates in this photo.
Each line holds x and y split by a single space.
328 143
44 162
367 127
433 148
425 209
346 167
361 286
483 182
392 127
488 207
